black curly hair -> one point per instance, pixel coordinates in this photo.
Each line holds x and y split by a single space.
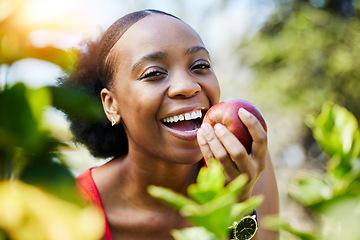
93 72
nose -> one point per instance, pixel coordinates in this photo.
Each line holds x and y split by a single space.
183 86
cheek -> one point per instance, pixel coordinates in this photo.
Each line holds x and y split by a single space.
213 90
139 101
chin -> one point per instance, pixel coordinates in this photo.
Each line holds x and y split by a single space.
183 155
189 159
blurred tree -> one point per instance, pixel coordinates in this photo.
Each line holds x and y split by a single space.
308 54
341 7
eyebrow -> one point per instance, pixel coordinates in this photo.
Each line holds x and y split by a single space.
161 55
151 56
195 49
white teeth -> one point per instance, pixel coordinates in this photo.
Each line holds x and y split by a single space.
187 116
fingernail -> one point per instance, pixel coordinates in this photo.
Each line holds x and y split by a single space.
244 112
205 128
201 138
219 127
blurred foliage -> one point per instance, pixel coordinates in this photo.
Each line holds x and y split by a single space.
306 55
15 36
27 150
30 154
38 196
27 213
333 197
210 206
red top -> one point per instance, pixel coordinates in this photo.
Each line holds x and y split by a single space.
90 193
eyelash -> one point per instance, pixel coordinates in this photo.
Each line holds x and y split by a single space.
155 73
201 66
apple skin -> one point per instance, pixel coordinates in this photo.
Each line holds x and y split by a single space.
226 113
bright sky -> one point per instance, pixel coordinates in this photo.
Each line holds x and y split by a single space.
86 18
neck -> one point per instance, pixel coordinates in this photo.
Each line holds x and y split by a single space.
161 173
128 179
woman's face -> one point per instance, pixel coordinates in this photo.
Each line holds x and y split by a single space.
163 83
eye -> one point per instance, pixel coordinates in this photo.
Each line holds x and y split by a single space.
152 74
201 66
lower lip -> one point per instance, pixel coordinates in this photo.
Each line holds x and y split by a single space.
188 135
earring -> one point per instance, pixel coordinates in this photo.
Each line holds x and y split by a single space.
113 121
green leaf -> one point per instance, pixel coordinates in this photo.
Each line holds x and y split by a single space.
340 216
337 132
241 209
236 185
53 177
217 215
276 224
310 189
18 124
209 182
216 206
39 100
78 104
173 199
214 216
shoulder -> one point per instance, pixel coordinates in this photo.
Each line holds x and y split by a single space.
90 193
87 188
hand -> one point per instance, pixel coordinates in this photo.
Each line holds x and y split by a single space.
220 143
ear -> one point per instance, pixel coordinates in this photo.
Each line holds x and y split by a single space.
110 106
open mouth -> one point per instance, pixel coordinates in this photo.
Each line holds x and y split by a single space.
186 122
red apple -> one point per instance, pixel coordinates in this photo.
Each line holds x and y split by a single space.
226 113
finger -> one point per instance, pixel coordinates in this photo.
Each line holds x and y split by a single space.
254 126
234 147
204 147
258 134
219 151
245 163
214 144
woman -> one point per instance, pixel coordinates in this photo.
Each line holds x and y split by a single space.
147 67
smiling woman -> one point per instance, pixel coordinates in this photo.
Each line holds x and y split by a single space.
153 76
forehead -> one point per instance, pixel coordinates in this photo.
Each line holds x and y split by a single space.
157 33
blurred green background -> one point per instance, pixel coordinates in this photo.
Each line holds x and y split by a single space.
288 57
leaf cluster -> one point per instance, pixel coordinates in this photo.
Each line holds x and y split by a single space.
332 197
210 205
